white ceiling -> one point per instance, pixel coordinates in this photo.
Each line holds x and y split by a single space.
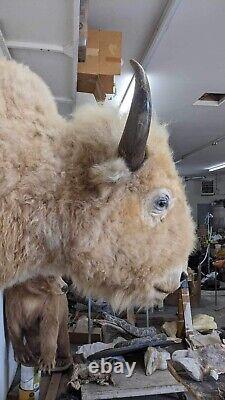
137 20
188 59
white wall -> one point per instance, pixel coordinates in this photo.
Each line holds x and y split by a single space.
7 364
193 190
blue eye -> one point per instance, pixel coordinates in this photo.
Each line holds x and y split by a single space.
162 202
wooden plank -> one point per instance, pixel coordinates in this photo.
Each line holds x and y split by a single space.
82 337
182 381
53 386
63 384
13 394
131 315
161 382
207 390
44 384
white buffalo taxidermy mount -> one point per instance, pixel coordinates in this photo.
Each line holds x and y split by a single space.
89 198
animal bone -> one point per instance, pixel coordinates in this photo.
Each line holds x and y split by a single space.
82 375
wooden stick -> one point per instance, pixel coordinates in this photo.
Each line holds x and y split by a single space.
53 386
180 380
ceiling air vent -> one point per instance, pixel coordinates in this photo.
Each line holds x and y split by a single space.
210 99
207 188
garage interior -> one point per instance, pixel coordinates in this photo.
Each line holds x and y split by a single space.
82 50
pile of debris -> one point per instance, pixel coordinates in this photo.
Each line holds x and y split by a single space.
200 356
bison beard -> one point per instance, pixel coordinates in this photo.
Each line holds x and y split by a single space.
89 198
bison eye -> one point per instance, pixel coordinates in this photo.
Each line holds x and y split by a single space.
162 203
156 204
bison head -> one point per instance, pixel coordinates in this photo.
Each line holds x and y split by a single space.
135 232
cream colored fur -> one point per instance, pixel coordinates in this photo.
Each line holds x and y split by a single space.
69 205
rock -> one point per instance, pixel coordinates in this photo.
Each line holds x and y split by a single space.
155 359
82 324
189 364
200 340
91 348
201 323
212 357
205 361
204 323
170 328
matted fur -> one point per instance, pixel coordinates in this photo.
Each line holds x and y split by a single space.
69 205
37 322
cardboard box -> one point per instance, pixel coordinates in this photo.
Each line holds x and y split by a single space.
99 85
110 52
91 64
103 62
103 54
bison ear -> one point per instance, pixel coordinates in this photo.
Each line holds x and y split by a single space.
110 172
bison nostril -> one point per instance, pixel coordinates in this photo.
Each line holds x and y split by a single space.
65 289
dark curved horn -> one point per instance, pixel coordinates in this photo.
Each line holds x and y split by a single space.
132 146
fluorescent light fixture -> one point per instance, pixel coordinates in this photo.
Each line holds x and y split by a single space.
210 99
216 167
194 178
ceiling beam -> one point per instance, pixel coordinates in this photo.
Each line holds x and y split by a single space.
67 49
200 148
3 46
